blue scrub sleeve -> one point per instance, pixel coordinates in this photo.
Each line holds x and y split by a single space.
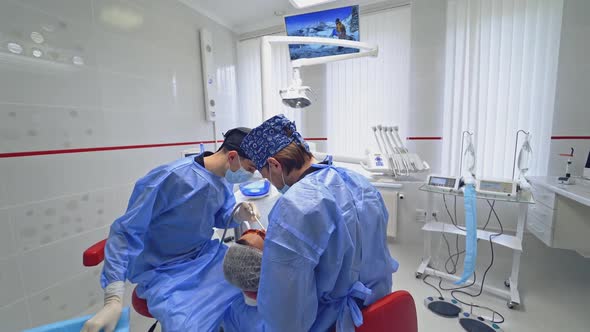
222 216
287 297
126 235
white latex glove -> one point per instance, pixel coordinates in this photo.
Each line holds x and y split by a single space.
247 212
107 318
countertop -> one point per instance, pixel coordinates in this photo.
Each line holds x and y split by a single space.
579 191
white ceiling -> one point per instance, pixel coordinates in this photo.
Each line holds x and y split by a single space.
244 16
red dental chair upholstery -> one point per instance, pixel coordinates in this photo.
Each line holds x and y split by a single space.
94 256
395 312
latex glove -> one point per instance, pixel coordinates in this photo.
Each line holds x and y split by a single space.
107 318
247 212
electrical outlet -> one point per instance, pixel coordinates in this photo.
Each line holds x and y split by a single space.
421 215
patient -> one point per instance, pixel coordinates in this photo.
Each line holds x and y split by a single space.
241 268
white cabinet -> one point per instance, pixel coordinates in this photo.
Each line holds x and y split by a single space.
540 216
557 219
540 228
544 196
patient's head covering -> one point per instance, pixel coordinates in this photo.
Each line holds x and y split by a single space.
242 265
269 138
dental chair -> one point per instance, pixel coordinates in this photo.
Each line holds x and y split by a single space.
94 256
395 312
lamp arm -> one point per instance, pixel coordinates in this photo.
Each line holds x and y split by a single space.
266 42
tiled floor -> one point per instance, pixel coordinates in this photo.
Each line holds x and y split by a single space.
554 287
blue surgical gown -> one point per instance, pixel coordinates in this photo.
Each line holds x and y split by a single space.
241 317
325 254
163 243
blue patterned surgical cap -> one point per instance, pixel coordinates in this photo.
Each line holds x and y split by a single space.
269 138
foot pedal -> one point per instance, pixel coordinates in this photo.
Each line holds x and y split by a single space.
443 307
472 323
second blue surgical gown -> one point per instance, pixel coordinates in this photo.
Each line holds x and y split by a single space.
163 243
241 317
325 254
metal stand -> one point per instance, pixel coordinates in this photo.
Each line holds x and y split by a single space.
513 242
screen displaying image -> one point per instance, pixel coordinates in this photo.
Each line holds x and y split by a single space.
338 23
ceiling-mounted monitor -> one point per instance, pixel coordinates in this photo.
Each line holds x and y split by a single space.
339 23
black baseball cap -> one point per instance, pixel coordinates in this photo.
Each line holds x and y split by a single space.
233 139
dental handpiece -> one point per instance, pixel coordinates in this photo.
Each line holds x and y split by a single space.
259 223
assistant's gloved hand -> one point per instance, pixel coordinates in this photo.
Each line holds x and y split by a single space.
109 315
247 212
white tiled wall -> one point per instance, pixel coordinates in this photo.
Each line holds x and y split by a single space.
140 84
7 243
15 317
9 274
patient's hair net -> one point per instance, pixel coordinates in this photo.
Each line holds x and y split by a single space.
241 267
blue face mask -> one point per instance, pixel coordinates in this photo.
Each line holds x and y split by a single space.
285 187
239 176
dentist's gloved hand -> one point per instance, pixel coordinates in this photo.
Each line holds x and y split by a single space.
109 315
247 212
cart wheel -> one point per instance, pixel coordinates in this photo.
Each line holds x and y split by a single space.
507 283
418 275
512 305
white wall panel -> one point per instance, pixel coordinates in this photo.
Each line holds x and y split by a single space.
7 238
15 317
572 117
11 286
58 261
67 299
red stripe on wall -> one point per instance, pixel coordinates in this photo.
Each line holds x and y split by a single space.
424 138
432 138
98 149
570 137
147 146
114 148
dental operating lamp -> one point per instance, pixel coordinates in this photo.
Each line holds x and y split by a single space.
295 95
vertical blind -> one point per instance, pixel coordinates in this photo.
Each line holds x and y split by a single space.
364 92
250 83
500 76
226 98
